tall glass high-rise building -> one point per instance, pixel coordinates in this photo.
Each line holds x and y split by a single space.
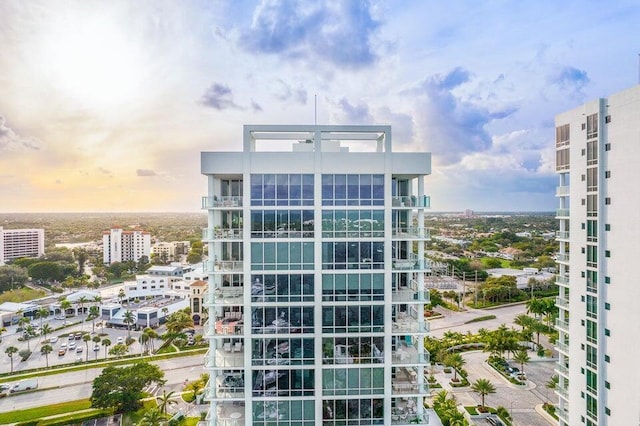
316 270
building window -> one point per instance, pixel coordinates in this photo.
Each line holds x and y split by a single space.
607 332
607 147
353 223
592 126
562 159
607 385
281 224
592 357
592 205
592 152
607 174
592 179
592 382
607 119
607 227
592 231
282 190
592 331
562 135
353 255
607 306
592 281
607 253
592 256
353 190
607 358
607 200
607 280
592 307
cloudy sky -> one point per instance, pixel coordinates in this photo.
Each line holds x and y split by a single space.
105 106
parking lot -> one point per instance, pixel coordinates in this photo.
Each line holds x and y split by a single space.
67 343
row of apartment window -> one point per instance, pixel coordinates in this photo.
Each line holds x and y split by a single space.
283 382
282 190
296 412
282 223
283 351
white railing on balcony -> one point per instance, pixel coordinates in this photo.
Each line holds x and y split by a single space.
562 302
561 369
408 324
562 347
562 213
411 201
411 232
223 266
564 326
227 414
564 393
562 280
402 387
562 235
221 201
562 191
409 355
407 295
562 257
210 234
411 262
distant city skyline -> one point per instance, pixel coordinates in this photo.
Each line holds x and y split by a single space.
104 106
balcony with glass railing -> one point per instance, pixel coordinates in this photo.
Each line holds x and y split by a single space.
405 411
230 355
562 347
411 201
227 414
562 191
561 369
224 296
562 235
562 325
410 233
562 302
562 213
223 266
562 257
229 385
562 280
412 263
563 393
563 413
410 294
218 201
215 234
405 381
409 354
405 323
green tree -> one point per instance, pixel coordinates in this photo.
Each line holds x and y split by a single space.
94 312
118 350
483 387
96 340
81 257
42 313
46 271
12 276
86 338
503 413
106 343
64 306
128 318
10 351
177 322
153 417
120 388
455 361
46 329
163 401
522 357
46 350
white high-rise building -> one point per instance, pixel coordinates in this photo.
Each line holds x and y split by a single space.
599 214
123 245
17 243
316 278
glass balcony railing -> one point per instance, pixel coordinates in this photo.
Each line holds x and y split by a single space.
221 201
562 302
562 392
409 355
228 356
562 347
561 369
562 280
407 324
411 232
408 295
409 419
227 414
213 234
562 235
411 201
562 191
400 387
223 266
562 213
562 325
224 296
411 262
562 257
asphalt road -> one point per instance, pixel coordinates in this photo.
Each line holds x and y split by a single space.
456 321
71 386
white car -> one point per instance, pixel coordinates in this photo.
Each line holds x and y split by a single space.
53 339
72 345
120 339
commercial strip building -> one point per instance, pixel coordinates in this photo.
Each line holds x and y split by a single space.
598 167
124 245
17 243
316 277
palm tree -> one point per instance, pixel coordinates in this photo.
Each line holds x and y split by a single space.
164 400
483 387
152 336
128 319
94 312
86 338
552 383
42 313
106 343
178 321
152 417
10 351
29 332
121 295
46 350
96 340
46 329
144 342
64 305
522 357
503 412
81 301
454 361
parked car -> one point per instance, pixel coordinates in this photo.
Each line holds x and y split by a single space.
62 351
494 420
78 336
120 340
72 346
79 349
71 337
53 339
96 348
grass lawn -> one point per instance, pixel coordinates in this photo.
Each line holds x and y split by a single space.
20 295
44 411
504 263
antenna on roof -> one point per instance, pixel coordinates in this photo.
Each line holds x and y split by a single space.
315 109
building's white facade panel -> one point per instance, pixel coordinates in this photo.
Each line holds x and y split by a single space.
599 214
